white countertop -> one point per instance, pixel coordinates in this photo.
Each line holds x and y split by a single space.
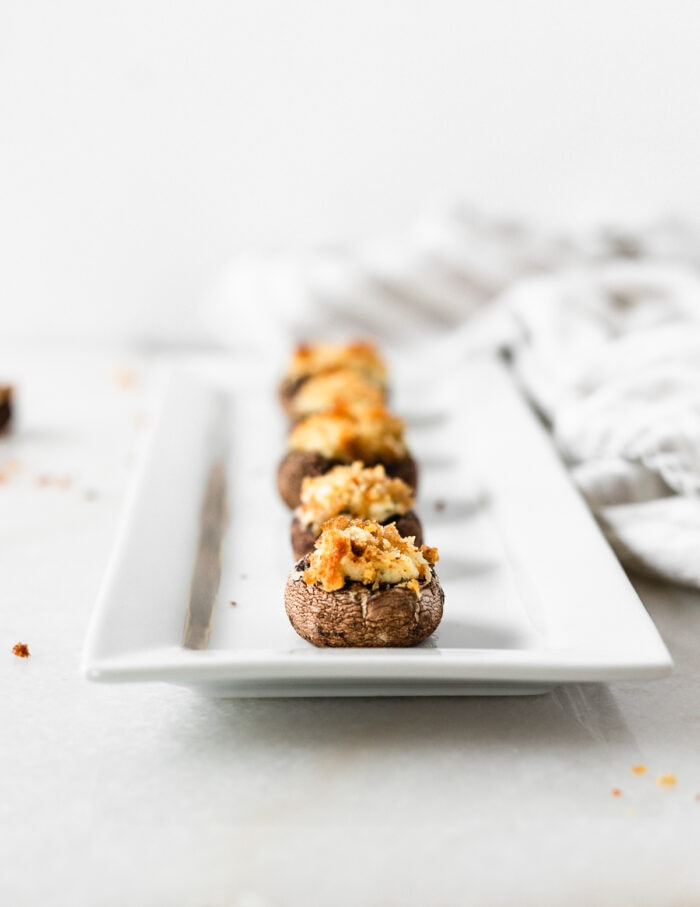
149 794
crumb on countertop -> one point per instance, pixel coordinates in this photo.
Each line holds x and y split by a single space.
440 505
233 604
616 792
639 769
8 470
667 780
47 481
21 650
125 378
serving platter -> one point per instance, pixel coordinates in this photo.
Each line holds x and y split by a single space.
534 597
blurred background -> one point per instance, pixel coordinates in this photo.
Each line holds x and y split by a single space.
145 144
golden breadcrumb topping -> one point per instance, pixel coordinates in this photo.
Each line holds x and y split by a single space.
342 387
346 434
360 356
366 552
364 492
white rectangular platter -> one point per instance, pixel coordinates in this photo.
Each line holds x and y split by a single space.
534 597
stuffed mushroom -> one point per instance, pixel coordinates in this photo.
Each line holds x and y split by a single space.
318 443
318 358
358 491
364 585
342 387
5 406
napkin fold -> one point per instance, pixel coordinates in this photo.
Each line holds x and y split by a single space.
611 356
602 326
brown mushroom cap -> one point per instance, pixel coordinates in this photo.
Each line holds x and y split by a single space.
297 464
358 616
293 469
5 406
407 524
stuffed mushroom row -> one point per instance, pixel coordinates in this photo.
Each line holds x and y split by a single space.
335 395
350 479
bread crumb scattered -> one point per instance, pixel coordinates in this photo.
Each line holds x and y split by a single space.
668 780
616 792
21 650
233 604
639 769
46 481
440 505
8 470
125 378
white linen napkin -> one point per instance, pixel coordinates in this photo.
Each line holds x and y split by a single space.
605 339
611 356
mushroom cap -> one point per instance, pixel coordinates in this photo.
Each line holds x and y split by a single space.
294 467
5 406
358 616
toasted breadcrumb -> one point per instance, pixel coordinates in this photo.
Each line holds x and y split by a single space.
639 769
367 552
343 387
375 435
365 492
21 650
668 780
314 358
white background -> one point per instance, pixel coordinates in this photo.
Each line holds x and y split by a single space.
143 143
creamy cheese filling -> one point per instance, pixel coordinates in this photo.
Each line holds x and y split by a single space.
343 434
360 356
343 387
365 552
358 491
